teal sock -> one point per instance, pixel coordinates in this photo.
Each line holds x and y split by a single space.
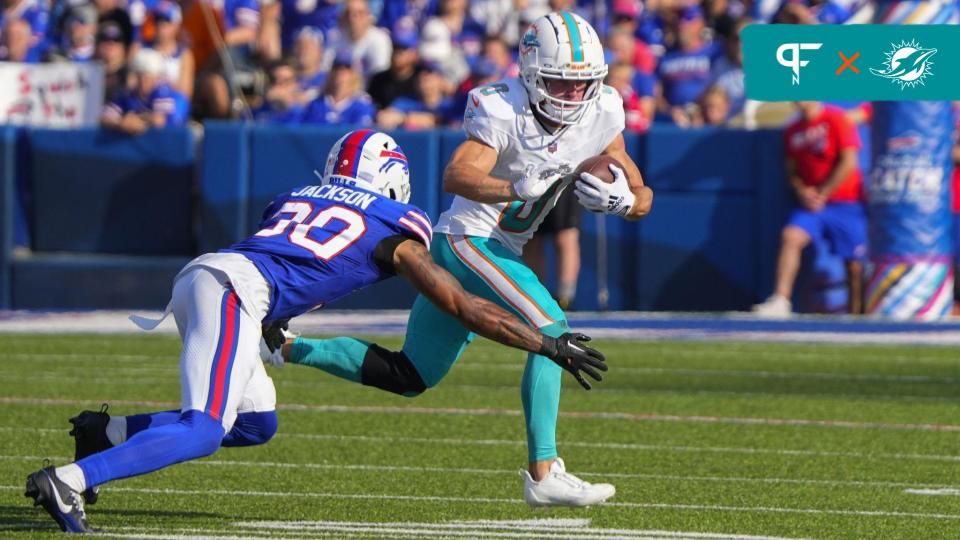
342 356
540 392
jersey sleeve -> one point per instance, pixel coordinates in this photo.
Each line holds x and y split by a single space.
613 116
415 224
480 118
271 209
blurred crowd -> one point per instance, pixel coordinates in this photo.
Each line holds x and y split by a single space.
393 63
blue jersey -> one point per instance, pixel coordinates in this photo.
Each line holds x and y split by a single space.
319 243
164 99
358 110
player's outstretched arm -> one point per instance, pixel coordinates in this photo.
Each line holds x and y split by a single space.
414 262
468 174
643 195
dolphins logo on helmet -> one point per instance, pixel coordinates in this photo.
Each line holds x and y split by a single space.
370 160
561 46
907 64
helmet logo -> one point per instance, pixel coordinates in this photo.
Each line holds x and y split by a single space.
529 41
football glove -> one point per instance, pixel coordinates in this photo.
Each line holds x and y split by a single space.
537 179
570 353
598 196
273 333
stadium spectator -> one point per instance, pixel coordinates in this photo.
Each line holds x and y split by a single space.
466 34
497 51
400 79
267 43
714 107
78 42
484 72
221 85
497 17
308 53
112 43
178 66
15 40
638 107
367 46
622 49
562 226
36 14
343 100
684 72
150 103
430 108
319 15
416 12
450 40
727 70
624 19
282 101
822 169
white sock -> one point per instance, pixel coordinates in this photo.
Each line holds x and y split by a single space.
117 430
72 476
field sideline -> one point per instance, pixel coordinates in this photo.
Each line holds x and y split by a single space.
703 440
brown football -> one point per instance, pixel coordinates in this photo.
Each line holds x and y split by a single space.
598 166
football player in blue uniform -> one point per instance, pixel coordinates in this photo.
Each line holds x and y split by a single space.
316 244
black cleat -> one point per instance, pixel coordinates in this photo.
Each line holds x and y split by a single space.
90 435
63 504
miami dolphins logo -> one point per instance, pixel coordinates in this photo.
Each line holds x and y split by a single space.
907 64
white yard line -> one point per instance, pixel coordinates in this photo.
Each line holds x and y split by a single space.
592 415
914 487
492 500
387 439
949 492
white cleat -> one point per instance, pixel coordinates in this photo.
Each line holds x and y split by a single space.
775 307
560 488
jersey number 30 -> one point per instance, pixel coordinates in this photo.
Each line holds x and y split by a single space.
300 235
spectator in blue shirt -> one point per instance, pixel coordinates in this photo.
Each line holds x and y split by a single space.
281 104
35 14
430 108
417 11
15 41
727 70
685 71
343 100
150 103
297 15
78 42
308 53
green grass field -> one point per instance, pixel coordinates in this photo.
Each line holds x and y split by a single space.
794 441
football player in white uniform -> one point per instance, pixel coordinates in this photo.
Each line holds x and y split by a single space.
525 136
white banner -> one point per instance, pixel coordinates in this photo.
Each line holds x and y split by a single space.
61 95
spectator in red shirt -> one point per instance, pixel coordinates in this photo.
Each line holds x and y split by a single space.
823 171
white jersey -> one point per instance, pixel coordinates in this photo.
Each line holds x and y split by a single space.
499 116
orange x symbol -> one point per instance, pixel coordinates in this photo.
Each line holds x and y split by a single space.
848 63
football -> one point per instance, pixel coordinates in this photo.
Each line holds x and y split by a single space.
598 166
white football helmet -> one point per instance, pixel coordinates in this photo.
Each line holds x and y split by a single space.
370 160
561 46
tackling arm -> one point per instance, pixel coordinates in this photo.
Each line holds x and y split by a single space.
414 262
644 195
468 174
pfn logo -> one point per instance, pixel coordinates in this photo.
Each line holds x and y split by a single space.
794 62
